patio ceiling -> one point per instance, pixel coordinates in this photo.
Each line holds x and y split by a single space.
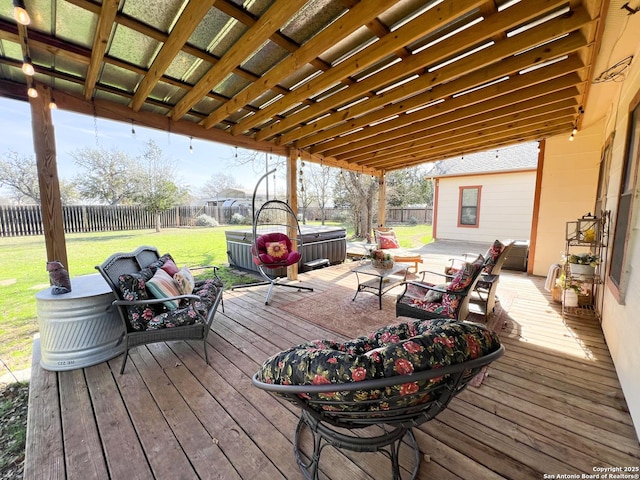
370 85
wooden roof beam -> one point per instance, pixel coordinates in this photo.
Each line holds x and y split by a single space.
455 45
104 28
485 67
278 13
409 32
464 135
511 113
509 91
190 18
340 29
481 144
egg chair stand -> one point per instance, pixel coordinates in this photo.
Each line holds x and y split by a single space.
276 244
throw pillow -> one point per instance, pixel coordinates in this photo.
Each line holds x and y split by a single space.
388 241
433 296
492 255
184 280
162 285
277 249
170 267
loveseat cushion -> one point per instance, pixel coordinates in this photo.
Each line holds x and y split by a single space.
133 287
390 351
191 314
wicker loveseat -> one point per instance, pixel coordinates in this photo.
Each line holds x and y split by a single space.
399 376
150 310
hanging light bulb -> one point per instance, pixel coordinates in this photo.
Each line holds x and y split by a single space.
133 129
20 12
31 91
27 66
236 152
191 145
52 104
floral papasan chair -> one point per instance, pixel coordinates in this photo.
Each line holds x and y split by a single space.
401 376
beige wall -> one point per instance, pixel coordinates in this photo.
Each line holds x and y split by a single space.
568 165
506 207
568 190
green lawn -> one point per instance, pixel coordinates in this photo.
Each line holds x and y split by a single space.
23 272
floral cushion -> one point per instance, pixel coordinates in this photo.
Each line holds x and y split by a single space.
133 287
207 290
390 351
492 255
277 249
261 255
464 276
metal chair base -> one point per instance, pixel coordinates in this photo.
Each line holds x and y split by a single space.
388 443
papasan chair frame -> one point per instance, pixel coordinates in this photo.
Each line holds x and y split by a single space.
396 404
277 241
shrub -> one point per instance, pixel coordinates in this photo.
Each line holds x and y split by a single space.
237 219
413 221
206 221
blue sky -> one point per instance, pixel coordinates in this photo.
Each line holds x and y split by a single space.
74 131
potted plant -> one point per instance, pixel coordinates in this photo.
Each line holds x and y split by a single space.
582 263
570 290
381 260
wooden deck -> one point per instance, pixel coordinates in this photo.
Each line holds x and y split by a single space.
551 405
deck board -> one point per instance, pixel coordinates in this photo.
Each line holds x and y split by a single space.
552 404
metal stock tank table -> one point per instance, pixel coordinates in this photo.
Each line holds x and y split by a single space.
382 281
79 328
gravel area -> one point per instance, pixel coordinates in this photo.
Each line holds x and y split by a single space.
14 399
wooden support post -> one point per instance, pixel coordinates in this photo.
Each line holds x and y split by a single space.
292 200
382 201
44 145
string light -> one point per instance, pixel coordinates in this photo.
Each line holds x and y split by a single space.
31 91
236 151
27 66
573 132
52 104
133 129
20 12
191 145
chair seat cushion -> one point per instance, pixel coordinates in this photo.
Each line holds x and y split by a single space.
274 250
397 350
207 290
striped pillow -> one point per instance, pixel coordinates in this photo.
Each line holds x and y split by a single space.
162 285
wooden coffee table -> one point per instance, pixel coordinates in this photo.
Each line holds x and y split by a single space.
377 281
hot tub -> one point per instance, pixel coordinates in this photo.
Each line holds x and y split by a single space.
318 242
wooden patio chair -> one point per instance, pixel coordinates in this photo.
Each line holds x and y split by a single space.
146 319
448 299
387 241
395 378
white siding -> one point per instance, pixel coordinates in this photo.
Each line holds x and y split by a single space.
506 207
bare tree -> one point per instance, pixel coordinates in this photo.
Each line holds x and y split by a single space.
106 176
319 179
217 183
19 174
356 193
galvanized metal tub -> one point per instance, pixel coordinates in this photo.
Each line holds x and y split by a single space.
79 328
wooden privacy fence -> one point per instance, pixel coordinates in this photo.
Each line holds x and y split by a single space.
27 220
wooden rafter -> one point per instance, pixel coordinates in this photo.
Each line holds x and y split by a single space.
103 33
189 19
347 24
256 35
413 30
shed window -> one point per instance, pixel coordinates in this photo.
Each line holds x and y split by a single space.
469 207
625 203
